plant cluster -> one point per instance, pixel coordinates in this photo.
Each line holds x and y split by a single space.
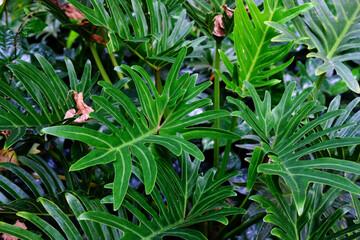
179 119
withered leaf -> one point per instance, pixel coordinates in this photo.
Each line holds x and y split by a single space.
72 12
219 27
8 155
83 109
228 10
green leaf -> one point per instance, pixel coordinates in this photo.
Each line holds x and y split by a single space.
256 159
205 193
42 87
153 37
296 138
18 232
333 34
43 225
160 120
64 222
34 25
252 40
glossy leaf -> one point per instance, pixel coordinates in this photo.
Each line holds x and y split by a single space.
254 51
205 193
295 138
160 119
332 29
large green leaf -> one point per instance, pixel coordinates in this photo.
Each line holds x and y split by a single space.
315 222
256 54
48 92
289 136
146 29
160 119
332 32
190 199
78 204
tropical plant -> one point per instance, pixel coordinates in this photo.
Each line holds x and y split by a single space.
161 118
332 30
42 92
143 159
253 46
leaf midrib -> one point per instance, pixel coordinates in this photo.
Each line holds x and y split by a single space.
258 50
343 33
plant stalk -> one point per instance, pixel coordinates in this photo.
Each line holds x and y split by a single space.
217 102
112 57
226 156
98 63
318 84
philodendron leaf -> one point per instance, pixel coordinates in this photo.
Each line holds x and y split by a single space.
205 194
296 137
159 121
42 86
254 50
331 30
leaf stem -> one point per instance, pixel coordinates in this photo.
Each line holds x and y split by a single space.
217 102
98 63
226 156
112 57
318 84
158 84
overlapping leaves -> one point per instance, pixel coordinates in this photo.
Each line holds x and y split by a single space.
203 193
145 29
160 119
41 87
316 222
332 30
254 50
78 204
289 137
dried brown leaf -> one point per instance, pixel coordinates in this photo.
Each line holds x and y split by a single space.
8 155
70 113
228 10
219 28
98 39
83 109
72 12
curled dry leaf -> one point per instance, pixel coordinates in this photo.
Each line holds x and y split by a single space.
6 133
70 113
98 39
228 10
9 237
83 109
69 9
8 155
72 11
219 27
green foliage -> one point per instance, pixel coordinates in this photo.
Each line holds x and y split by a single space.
315 222
155 39
42 91
288 137
160 119
145 165
253 45
204 192
332 29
